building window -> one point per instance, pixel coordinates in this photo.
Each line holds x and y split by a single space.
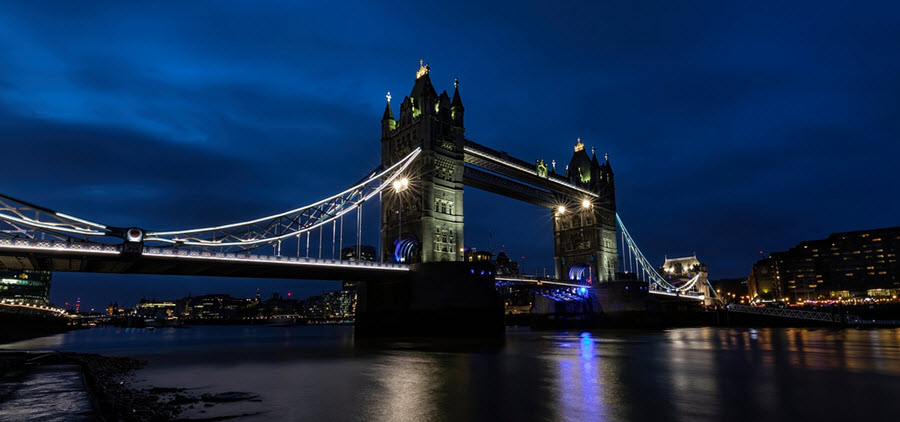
443 206
443 240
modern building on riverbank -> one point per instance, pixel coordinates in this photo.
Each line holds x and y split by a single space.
851 264
28 286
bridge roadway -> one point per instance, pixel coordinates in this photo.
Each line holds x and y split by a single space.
28 254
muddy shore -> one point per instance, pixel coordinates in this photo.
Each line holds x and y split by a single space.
110 386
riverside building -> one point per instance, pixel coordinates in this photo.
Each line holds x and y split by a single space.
851 264
29 287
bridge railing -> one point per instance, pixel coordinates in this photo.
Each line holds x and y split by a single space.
249 257
58 245
785 313
87 248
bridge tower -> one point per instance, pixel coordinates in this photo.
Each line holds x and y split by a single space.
584 233
423 222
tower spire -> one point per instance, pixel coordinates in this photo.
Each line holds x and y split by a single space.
388 113
424 69
457 100
456 105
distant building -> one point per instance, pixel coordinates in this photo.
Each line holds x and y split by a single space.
340 304
731 290
682 267
680 271
506 266
278 305
366 253
215 306
155 309
763 284
850 264
314 308
28 286
475 256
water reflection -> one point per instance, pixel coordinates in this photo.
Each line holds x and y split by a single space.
697 374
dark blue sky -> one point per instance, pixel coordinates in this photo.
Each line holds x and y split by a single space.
732 128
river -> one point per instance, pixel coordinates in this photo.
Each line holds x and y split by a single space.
686 374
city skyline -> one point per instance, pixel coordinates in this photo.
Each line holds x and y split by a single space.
725 139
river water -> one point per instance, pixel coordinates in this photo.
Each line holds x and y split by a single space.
687 374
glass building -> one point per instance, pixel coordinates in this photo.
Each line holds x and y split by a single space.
28 286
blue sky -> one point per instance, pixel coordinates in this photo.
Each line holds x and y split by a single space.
733 127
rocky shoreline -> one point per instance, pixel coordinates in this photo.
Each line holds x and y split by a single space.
111 386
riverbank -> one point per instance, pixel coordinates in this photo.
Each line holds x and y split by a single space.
88 387
23 326
95 387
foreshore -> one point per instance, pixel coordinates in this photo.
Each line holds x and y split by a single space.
107 384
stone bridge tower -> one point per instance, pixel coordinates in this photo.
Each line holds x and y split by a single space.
423 222
584 233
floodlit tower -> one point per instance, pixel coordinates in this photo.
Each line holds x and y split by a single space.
584 232
424 221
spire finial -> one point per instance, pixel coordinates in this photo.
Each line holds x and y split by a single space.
423 69
606 156
388 96
579 146
456 82
593 150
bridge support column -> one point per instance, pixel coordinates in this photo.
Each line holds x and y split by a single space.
440 299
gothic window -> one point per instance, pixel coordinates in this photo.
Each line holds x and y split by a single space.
443 240
443 206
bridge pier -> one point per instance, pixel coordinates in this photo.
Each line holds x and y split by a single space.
438 299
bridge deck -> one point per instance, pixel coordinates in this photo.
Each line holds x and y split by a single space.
21 254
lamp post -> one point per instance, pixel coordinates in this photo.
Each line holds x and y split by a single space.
399 186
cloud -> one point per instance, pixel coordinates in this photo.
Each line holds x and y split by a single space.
732 127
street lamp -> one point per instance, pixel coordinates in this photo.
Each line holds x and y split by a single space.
586 203
400 185
561 209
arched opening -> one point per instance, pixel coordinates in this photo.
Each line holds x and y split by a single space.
581 272
407 250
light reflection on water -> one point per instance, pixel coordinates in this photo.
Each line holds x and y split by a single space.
692 374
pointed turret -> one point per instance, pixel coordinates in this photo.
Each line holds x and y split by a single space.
607 173
596 169
456 106
423 90
388 113
579 168
444 106
387 120
457 99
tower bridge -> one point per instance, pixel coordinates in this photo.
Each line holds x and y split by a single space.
427 160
